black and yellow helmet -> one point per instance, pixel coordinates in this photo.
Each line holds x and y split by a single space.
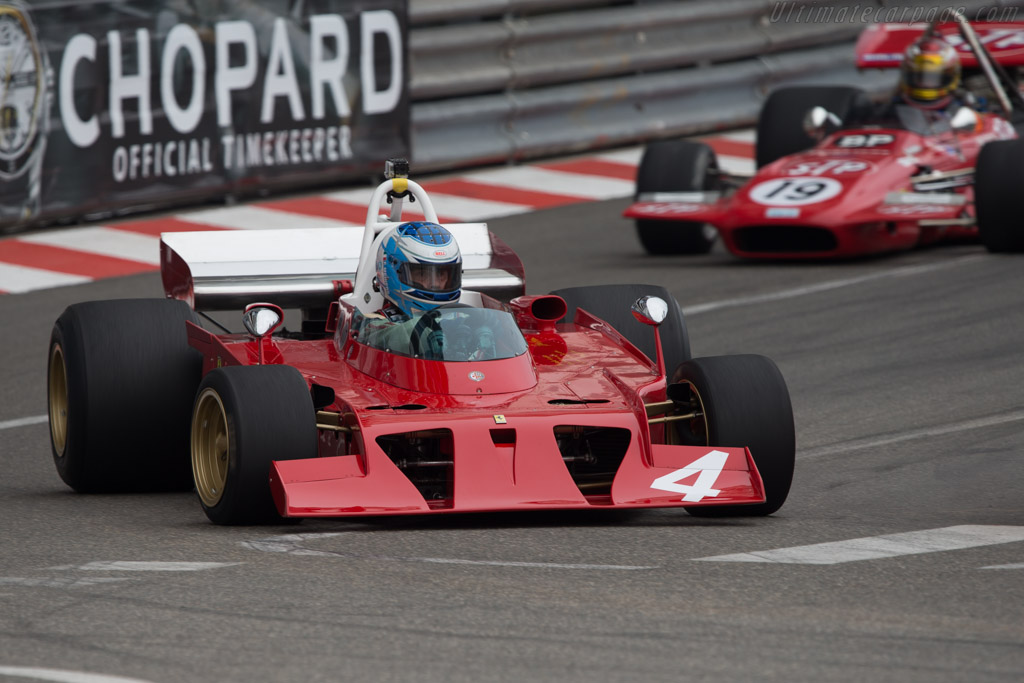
930 73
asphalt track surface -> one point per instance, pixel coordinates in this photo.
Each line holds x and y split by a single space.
907 381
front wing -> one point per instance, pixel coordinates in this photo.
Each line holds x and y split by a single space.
490 478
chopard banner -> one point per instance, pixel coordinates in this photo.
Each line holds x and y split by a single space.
108 107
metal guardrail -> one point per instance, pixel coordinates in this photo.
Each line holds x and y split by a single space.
508 80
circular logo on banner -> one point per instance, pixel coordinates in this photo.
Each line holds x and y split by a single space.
476 376
795 191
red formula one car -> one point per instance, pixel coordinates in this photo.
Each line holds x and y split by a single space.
499 401
829 188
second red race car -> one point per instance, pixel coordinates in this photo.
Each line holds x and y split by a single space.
841 175
422 381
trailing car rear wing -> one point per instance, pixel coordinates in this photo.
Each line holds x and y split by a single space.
882 45
989 47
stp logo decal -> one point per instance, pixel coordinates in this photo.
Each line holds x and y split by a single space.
795 191
831 167
476 376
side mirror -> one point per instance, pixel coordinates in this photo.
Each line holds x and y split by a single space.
262 319
819 122
965 120
650 310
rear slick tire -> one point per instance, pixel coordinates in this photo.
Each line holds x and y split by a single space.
745 403
780 124
121 378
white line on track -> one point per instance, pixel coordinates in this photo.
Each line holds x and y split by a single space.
62 676
57 582
1019 565
881 547
828 285
541 565
24 421
130 566
291 544
874 442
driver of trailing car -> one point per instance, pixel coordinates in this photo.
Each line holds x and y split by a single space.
930 75
930 83
418 269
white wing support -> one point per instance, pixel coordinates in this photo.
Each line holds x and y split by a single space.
311 267
363 295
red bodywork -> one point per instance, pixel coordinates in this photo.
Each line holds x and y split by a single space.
834 201
495 421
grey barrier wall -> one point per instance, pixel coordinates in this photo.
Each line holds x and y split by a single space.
114 106
508 80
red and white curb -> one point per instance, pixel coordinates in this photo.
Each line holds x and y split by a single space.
71 256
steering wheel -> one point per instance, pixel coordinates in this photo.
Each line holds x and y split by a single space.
421 331
434 334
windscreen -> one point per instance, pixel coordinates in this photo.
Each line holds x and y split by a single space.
453 333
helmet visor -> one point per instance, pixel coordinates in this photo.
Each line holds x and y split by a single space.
931 79
432 277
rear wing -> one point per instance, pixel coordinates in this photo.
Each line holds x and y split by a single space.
882 46
307 267
310 268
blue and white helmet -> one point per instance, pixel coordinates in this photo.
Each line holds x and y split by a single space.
419 267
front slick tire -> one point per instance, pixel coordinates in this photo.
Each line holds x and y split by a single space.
998 185
746 403
676 166
244 418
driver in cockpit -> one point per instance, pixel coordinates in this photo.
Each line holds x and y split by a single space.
418 269
930 84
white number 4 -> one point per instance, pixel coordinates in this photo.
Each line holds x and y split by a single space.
706 468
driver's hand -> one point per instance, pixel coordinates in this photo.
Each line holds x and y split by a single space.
435 344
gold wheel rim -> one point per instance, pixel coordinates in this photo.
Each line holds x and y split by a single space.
210 445
57 400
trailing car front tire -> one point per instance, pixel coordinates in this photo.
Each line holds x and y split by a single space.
998 186
676 166
120 382
745 403
244 418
